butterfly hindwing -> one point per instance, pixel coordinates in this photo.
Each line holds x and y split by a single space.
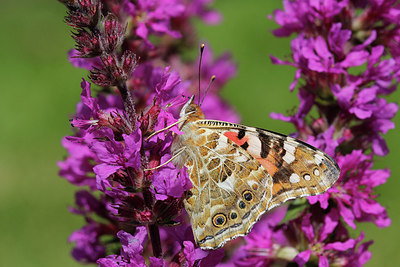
230 189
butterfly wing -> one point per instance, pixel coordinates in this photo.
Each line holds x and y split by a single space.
239 172
297 168
231 189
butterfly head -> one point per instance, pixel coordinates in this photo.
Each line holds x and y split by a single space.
191 111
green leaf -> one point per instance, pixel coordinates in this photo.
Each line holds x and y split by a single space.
296 207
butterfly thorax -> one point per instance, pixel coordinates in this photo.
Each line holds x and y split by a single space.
190 137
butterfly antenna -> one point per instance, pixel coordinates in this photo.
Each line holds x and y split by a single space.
209 85
201 56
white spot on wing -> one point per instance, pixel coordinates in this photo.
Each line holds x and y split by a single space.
289 148
289 158
294 178
227 185
290 151
222 143
316 172
318 158
307 177
254 146
241 158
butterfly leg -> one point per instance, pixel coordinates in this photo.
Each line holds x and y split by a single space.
180 151
163 129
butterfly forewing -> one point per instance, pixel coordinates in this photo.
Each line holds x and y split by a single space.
297 168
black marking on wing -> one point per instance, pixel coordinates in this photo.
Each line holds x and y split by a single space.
221 231
278 147
247 214
282 176
245 145
205 239
241 134
236 225
265 140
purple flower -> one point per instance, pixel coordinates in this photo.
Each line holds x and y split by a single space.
304 15
87 204
170 181
87 243
112 128
360 254
265 242
319 244
84 63
199 257
89 114
76 168
332 38
199 8
131 251
154 17
353 193
114 156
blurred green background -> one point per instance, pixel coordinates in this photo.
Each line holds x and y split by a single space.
40 90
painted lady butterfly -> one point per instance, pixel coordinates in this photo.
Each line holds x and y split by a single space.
238 173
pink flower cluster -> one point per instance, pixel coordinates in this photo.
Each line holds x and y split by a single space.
132 50
347 58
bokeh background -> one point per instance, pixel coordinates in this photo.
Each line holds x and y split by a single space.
39 91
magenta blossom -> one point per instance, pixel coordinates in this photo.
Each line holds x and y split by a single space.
319 244
354 191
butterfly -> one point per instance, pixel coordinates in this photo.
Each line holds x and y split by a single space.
238 173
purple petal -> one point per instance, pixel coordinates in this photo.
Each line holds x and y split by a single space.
330 223
355 58
322 49
156 262
377 177
297 76
142 30
371 207
379 146
361 113
346 214
103 171
322 199
323 261
383 125
87 244
307 227
211 17
278 61
303 257
367 95
337 38
367 42
86 97
108 151
189 252
133 144
341 246
84 63
344 95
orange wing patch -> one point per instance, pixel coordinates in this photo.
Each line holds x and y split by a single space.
234 136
